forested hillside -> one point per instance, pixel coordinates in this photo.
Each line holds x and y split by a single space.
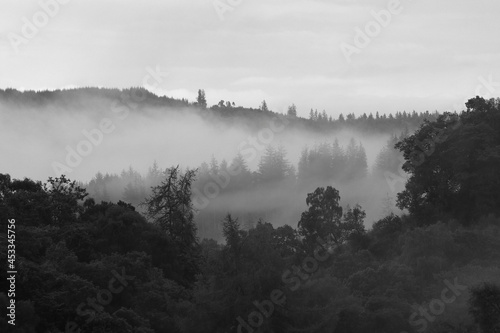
141 100
87 264
279 157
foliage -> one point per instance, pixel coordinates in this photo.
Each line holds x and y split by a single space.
324 220
69 247
485 307
454 163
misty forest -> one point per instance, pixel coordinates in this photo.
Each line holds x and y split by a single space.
170 215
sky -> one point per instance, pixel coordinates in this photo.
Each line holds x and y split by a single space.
342 56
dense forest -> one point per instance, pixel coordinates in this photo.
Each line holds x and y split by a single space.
280 157
154 260
141 100
271 191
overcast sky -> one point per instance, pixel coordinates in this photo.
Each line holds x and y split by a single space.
430 54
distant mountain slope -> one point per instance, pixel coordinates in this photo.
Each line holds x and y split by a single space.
142 100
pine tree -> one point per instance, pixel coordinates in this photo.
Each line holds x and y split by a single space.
201 99
292 111
264 107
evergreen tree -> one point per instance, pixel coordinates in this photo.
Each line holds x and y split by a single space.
292 111
201 100
264 107
170 207
273 165
233 236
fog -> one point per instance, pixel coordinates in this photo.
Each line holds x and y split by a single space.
36 142
32 139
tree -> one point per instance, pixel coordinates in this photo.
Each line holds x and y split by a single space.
135 190
233 236
485 307
354 221
273 165
65 197
388 159
214 166
58 201
201 99
292 111
341 119
453 164
323 217
263 106
311 115
324 116
243 177
170 207
351 160
286 240
153 176
339 160
361 162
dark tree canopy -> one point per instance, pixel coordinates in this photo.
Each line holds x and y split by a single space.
453 164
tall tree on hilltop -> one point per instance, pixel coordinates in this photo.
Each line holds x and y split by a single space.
292 110
263 106
201 100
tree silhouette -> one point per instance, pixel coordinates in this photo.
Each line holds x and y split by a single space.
170 207
201 100
323 217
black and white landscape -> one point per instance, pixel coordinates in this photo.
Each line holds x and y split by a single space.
250 166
